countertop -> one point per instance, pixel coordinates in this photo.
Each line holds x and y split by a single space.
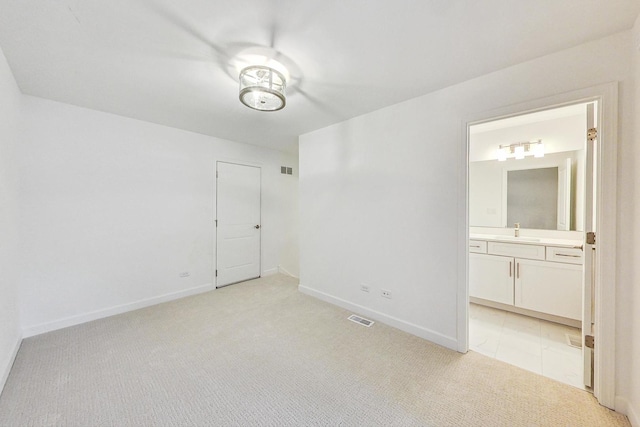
528 240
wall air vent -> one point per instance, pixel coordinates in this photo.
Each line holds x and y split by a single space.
286 170
361 320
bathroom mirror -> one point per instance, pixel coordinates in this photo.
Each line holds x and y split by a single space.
539 193
532 198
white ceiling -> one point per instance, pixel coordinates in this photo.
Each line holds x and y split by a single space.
170 62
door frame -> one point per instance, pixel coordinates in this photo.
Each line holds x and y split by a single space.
606 96
215 208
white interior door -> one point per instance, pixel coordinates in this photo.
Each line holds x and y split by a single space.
588 317
564 195
238 223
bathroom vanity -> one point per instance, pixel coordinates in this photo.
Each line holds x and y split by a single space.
534 276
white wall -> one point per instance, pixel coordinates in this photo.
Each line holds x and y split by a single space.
628 313
10 98
114 209
380 198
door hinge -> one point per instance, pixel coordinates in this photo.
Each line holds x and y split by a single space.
216 273
216 222
589 341
216 174
591 238
592 134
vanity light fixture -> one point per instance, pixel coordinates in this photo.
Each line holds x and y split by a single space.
538 149
502 154
519 150
262 88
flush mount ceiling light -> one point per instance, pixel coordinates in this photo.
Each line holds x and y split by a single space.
519 150
262 88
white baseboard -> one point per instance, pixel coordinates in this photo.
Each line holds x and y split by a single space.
111 311
411 328
7 368
624 407
282 270
270 272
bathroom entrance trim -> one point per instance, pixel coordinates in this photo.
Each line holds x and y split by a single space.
605 282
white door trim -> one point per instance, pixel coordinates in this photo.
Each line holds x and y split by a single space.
605 285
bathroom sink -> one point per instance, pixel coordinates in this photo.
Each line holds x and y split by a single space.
517 239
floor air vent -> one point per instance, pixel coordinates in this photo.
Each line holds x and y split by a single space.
574 340
362 321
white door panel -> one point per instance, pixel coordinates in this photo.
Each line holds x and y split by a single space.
238 223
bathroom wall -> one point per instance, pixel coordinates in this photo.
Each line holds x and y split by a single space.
558 134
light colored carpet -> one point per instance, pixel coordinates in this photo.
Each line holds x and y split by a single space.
260 353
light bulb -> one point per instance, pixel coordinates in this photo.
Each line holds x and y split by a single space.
538 150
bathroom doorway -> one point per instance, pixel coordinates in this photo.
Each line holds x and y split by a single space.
531 202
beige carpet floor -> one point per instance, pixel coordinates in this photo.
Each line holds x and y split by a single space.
260 353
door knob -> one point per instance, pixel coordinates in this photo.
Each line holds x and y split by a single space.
258 226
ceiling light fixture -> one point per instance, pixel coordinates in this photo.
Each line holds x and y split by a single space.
262 88
519 150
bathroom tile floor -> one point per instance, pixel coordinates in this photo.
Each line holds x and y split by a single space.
532 344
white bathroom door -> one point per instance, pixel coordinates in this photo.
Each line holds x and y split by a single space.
237 223
588 317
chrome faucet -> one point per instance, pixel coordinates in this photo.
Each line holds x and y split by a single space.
517 230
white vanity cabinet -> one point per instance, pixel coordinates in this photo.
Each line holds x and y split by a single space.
549 287
491 277
535 277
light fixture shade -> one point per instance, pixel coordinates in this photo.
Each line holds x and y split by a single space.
538 150
262 88
519 152
502 154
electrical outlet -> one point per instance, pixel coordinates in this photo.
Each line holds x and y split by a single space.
364 288
385 294
184 274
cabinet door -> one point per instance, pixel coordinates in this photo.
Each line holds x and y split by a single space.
549 287
491 277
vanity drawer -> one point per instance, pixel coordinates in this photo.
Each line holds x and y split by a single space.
516 250
478 246
566 255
